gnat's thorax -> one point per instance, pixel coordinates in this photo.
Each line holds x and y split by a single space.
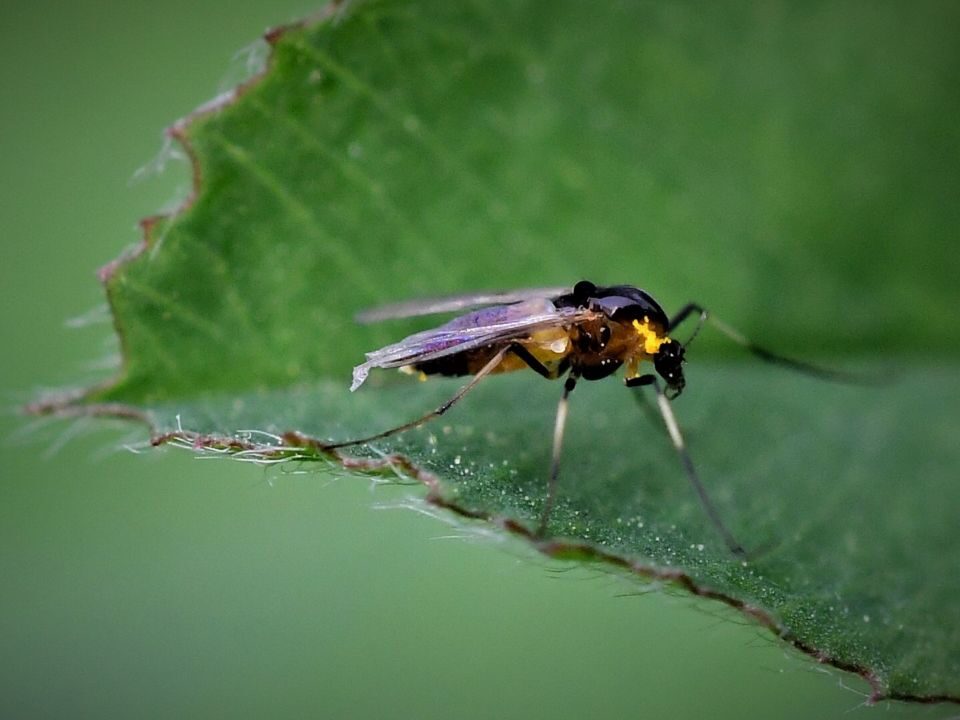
630 327
602 346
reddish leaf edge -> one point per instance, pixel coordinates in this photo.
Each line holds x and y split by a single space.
57 401
298 446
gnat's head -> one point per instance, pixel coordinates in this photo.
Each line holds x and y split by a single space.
668 363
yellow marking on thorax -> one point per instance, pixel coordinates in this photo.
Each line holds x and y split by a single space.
651 340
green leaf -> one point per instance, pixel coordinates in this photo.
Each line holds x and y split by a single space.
792 167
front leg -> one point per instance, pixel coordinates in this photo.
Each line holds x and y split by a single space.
676 438
640 381
704 316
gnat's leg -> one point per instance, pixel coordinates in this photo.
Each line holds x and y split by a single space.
538 367
761 352
515 348
673 429
484 371
558 428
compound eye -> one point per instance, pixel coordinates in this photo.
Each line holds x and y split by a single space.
668 363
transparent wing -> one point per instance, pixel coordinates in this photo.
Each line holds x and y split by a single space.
454 303
475 329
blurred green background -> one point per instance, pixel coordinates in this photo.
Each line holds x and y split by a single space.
160 585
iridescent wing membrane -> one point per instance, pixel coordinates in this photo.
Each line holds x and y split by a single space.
490 325
455 303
